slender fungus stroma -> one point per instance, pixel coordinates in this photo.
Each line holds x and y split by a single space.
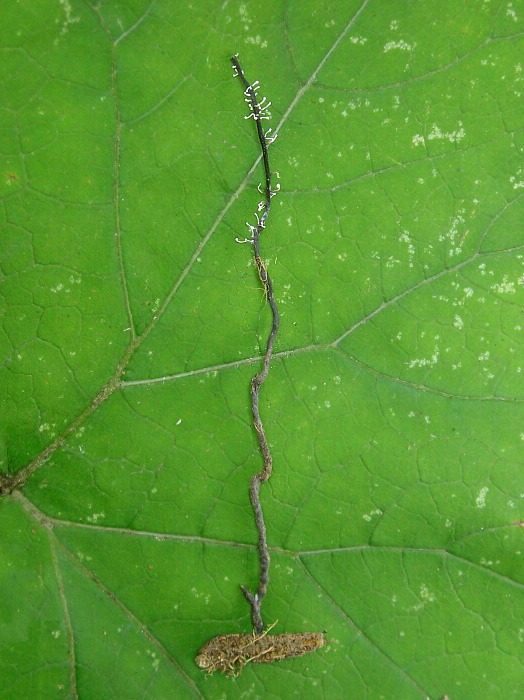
231 652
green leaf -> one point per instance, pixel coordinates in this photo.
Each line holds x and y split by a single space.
133 322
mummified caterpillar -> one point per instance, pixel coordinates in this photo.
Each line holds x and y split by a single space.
231 652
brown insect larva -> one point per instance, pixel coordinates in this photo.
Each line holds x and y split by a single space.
231 652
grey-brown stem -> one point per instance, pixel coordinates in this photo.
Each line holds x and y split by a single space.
255 599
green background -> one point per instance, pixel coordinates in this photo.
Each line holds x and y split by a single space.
394 403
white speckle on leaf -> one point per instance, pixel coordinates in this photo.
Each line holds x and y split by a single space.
95 517
425 361
426 594
481 498
256 40
517 181
368 516
510 12
454 136
69 19
504 287
455 231
458 322
242 11
406 238
400 45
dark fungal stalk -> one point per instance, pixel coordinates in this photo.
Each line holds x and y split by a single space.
257 111
229 653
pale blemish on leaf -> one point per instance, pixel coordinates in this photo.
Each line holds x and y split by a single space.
510 12
69 19
481 498
368 516
425 361
400 45
504 287
426 594
516 180
95 517
437 134
406 238
458 322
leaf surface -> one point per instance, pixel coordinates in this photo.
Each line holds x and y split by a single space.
133 322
